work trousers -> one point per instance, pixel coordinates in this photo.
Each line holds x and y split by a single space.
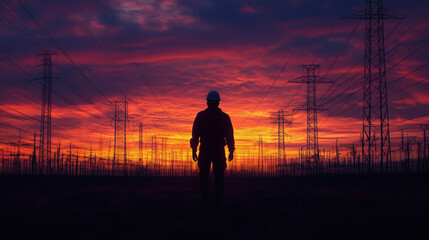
205 160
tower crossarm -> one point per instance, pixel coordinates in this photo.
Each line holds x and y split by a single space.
375 14
311 79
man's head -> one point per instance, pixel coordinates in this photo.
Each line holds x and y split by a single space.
213 99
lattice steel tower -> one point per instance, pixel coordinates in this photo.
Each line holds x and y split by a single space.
375 130
281 154
45 116
311 78
281 143
120 141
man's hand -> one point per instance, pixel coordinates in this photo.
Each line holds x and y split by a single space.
195 156
231 156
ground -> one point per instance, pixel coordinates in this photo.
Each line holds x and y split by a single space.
255 208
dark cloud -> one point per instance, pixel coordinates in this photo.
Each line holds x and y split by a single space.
109 17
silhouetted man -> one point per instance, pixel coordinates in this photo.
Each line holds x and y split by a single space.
213 129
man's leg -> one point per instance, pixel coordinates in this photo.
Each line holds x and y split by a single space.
219 172
204 166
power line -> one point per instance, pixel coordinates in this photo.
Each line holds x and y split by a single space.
75 66
153 92
317 12
72 88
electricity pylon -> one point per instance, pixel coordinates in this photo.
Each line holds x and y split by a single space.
120 141
375 127
311 78
45 116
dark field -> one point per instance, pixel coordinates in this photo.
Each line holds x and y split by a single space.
254 208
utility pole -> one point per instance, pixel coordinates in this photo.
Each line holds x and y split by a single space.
45 119
18 155
354 158
162 157
154 152
375 127
2 161
408 151
312 79
337 157
164 152
261 153
162 149
402 145
425 148
70 159
120 141
140 142
281 138
90 159
58 157
33 159
100 150
77 162
109 160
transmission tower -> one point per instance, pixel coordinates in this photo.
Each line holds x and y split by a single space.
375 127
45 116
281 137
311 78
281 143
120 141
140 141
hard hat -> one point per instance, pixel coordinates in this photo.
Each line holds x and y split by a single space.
213 96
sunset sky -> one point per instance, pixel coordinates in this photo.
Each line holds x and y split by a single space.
165 55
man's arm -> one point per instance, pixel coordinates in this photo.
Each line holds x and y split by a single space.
230 138
195 138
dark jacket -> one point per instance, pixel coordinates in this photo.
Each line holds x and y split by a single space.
213 129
